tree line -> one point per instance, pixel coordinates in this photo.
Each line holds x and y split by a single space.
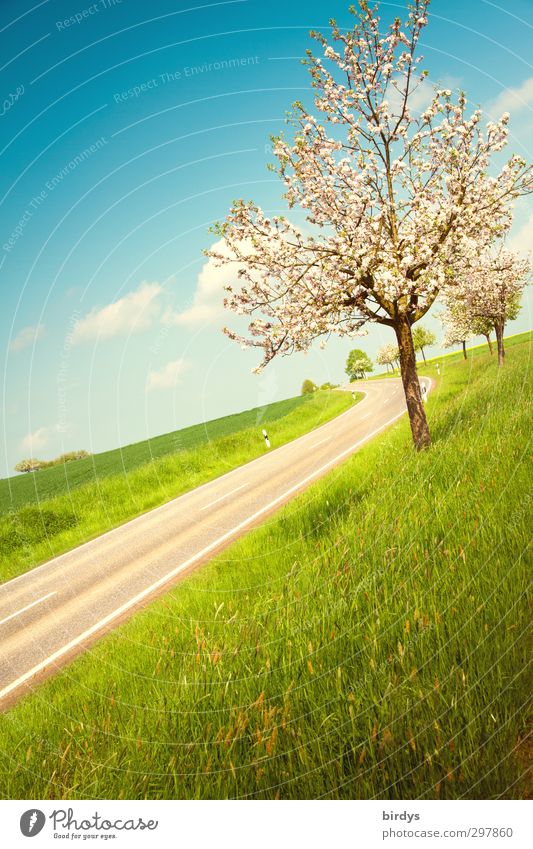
34 465
460 324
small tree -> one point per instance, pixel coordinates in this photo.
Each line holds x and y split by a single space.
393 197
458 326
308 387
30 465
70 456
489 292
387 356
483 327
358 364
423 338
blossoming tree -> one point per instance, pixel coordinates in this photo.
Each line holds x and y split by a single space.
457 326
460 325
488 292
358 364
391 195
388 355
484 327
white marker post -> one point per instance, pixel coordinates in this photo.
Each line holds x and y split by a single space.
424 390
438 369
267 440
353 396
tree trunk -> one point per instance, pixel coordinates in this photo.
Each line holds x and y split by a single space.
464 350
498 327
489 342
411 386
423 355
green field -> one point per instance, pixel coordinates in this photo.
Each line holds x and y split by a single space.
476 350
367 642
51 511
58 480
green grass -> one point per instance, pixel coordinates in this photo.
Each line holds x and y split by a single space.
366 642
457 356
36 487
94 495
476 350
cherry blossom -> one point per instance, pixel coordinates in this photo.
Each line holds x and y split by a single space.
487 292
395 200
458 326
387 355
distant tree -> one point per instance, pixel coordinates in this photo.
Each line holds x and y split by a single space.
423 338
358 364
483 327
307 387
490 290
458 326
387 356
80 454
30 465
329 385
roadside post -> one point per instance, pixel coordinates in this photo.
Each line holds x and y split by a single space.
267 440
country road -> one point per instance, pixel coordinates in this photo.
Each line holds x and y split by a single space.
53 612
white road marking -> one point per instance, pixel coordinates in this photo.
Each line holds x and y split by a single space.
175 572
314 445
222 497
28 607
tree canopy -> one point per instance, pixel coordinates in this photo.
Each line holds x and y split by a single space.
307 387
388 355
358 364
423 338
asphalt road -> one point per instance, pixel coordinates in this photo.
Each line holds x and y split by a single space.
53 612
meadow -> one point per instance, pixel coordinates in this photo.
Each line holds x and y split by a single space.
457 355
368 641
39 486
51 511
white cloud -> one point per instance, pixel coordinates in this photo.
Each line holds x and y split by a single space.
35 441
168 376
513 99
207 305
135 311
26 336
421 96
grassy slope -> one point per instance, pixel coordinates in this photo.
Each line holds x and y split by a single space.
476 350
35 532
458 356
368 641
31 488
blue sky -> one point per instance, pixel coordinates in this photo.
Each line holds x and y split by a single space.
127 130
